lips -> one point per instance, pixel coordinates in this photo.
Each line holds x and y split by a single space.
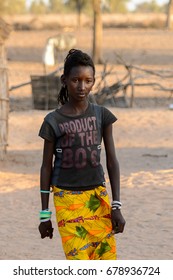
81 94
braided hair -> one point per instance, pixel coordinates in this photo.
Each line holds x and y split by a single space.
74 58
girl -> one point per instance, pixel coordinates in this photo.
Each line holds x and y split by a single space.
72 135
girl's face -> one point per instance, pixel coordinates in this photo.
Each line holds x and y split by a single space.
79 82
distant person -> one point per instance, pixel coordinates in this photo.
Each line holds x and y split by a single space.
72 136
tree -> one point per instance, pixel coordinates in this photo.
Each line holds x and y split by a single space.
55 6
118 6
78 5
12 7
38 7
169 13
148 7
97 32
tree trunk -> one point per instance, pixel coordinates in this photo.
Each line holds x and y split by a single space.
97 32
169 13
79 5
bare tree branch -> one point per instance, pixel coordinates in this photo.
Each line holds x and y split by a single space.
133 73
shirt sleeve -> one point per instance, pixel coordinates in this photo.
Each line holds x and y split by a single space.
46 132
108 117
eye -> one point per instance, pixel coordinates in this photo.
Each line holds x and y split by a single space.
75 80
89 81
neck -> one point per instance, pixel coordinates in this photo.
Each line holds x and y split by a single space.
74 109
78 106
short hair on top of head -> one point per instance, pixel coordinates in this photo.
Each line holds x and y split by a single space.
76 57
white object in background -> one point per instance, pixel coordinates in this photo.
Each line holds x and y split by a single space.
56 45
48 55
171 106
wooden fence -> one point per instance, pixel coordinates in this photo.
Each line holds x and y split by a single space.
4 102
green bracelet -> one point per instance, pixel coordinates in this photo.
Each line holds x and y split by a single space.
43 191
47 191
45 211
43 218
45 214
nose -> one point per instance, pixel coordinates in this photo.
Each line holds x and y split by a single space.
82 85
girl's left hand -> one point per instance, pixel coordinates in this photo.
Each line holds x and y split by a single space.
118 222
46 229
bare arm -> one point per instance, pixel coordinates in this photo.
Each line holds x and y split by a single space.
46 172
118 221
112 162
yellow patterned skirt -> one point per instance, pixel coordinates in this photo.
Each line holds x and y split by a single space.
84 223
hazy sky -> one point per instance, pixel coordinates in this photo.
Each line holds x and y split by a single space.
131 4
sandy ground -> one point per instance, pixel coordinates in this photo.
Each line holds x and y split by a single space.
143 138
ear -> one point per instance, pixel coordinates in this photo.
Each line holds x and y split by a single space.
63 81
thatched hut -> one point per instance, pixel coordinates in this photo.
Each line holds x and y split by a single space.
4 95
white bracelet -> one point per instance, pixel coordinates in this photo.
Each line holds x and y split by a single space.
117 207
116 202
45 220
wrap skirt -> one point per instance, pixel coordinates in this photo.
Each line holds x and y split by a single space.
84 224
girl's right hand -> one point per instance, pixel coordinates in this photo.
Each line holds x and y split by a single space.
118 222
46 229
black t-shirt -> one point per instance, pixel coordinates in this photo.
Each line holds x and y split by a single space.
77 146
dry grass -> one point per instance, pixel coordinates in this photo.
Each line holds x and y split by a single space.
54 21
